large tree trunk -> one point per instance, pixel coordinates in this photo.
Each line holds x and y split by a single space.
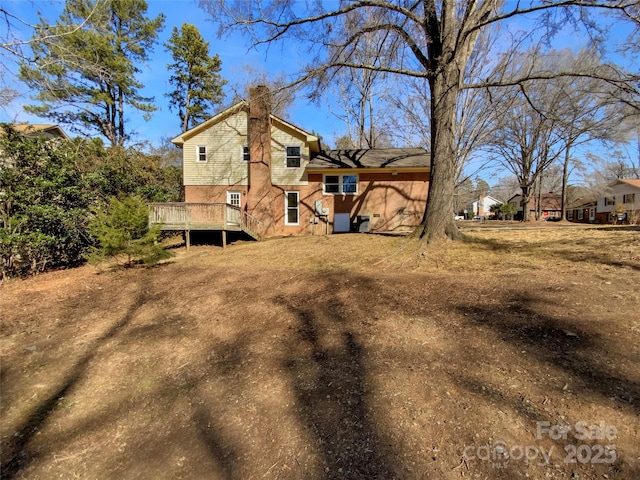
526 197
565 184
438 222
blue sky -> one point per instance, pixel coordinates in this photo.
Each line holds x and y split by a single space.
233 50
236 55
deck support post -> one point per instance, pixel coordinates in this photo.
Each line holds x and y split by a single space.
187 238
224 238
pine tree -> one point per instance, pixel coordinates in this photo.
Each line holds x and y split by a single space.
196 78
85 65
122 232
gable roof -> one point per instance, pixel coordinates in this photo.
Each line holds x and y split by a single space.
485 197
629 181
312 140
581 203
371 158
46 130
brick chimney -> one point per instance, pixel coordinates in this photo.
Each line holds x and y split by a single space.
259 194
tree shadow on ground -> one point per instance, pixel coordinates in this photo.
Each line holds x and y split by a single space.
558 342
16 454
559 249
331 390
567 347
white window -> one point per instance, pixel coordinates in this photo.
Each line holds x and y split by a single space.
609 201
570 215
332 184
341 184
581 214
201 153
629 198
293 157
349 184
291 208
245 154
233 198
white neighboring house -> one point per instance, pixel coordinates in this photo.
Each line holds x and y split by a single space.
621 204
482 206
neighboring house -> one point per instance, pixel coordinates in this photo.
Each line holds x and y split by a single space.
550 206
46 131
482 206
621 204
246 169
582 211
43 130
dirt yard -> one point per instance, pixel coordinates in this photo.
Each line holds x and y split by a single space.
514 354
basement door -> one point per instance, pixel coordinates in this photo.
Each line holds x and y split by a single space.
341 222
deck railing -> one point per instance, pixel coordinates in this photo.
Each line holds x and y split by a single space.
203 216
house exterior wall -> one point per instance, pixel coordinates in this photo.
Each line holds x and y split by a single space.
551 205
620 209
617 193
579 215
281 137
225 164
395 203
224 142
482 206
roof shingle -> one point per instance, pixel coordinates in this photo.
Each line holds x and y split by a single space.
371 158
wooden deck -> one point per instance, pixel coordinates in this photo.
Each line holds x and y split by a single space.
204 216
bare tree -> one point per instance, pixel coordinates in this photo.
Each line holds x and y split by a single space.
525 140
434 40
585 111
363 93
282 97
473 116
505 188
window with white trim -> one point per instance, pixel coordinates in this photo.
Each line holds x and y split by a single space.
293 157
201 153
246 156
291 208
608 201
341 184
629 198
581 214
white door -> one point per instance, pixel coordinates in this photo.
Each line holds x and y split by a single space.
233 215
233 198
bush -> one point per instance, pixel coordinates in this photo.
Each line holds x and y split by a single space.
122 231
44 205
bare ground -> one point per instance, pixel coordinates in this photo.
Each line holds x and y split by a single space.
353 356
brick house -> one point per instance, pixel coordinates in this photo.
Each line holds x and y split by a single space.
246 169
546 205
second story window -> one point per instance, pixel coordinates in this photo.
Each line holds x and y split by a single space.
201 153
293 157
